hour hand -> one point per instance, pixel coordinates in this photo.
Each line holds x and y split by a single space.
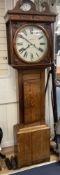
31 44
23 49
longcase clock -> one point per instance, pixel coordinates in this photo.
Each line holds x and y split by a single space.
30 50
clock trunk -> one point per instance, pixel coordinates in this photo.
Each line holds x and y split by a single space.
31 96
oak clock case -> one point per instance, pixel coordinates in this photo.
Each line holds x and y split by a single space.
31 43
30 50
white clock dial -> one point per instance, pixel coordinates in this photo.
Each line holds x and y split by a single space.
31 43
25 7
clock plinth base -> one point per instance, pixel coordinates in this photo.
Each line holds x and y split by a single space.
33 144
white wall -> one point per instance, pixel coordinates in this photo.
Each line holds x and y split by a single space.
9 107
8 83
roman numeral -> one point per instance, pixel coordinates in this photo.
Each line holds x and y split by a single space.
42 43
37 54
40 37
19 44
19 35
25 54
24 31
31 30
40 49
31 55
21 50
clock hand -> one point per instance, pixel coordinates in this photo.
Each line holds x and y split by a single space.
39 49
23 49
26 39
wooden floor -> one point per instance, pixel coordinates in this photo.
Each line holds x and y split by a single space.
5 170
10 152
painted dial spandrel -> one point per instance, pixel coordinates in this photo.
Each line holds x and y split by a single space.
31 43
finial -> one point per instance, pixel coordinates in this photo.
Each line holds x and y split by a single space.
45 6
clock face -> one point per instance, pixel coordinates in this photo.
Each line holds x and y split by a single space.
30 43
25 6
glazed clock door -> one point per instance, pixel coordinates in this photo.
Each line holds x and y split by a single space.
31 43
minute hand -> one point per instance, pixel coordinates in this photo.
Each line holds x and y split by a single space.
31 43
26 39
